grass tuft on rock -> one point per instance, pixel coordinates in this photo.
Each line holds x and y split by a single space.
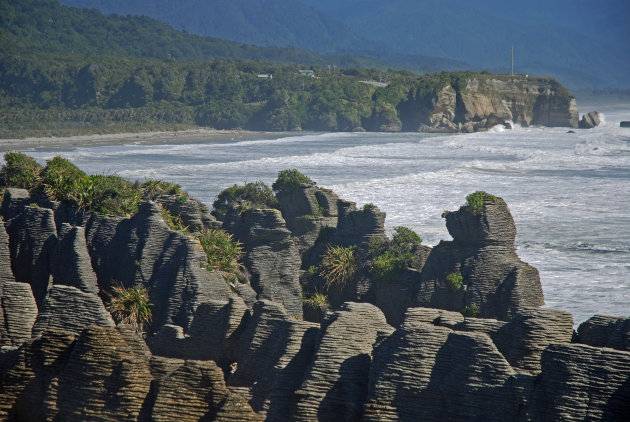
222 251
392 258
475 201
131 306
338 265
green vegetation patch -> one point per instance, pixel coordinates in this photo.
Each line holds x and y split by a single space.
151 189
65 182
289 180
454 281
315 300
471 311
253 195
222 251
174 222
113 195
131 306
391 258
475 201
338 265
20 171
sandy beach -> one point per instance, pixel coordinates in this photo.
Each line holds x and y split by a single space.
142 138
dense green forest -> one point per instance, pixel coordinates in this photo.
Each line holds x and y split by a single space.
66 71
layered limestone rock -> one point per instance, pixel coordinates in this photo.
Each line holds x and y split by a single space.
478 102
271 256
70 262
494 281
32 236
606 331
193 213
13 202
142 250
18 312
5 256
70 309
580 382
272 352
307 210
425 372
335 385
195 390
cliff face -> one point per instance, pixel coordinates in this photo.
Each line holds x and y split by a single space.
482 101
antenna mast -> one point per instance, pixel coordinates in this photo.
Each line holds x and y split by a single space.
512 60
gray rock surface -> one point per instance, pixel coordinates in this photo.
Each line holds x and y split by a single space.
425 372
589 120
193 213
32 236
357 227
335 385
5 256
494 278
272 258
18 312
13 202
272 353
70 309
70 262
582 383
195 390
143 251
606 331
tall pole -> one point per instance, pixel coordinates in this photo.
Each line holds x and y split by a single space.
512 60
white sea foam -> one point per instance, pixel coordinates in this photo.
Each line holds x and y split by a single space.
569 193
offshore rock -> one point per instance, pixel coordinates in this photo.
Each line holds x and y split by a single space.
32 236
589 120
494 279
143 251
18 312
606 331
335 385
273 353
425 372
580 382
70 309
70 262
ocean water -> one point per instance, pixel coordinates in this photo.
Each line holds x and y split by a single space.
569 193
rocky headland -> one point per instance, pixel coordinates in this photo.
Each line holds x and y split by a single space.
321 317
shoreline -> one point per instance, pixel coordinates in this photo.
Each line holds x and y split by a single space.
190 136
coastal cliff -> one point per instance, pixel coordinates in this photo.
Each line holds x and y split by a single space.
468 103
409 332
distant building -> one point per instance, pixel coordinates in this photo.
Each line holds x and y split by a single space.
265 76
306 72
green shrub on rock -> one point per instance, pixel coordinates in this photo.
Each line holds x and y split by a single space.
289 180
391 258
250 196
454 281
113 195
65 182
338 265
476 200
151 189
20 171
471 311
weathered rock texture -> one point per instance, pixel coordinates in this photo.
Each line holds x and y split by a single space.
479 102
142 250
271 256
590 120
335 385
272 354
606 331
18 312
193 213
494 278
68 308
70 262
581 383
107 374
